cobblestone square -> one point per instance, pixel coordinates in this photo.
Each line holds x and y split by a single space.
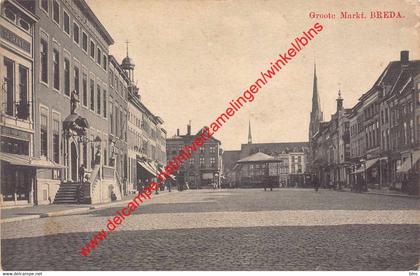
287 229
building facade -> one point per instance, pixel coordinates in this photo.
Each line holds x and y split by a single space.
285 164
65 109
118 84
204 167
146 137
18 169
379 134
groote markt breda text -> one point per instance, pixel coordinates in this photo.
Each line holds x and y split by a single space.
233 107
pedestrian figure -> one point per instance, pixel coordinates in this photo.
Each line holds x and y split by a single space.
82 173
267 184
316 183
79 194
404 184
98 157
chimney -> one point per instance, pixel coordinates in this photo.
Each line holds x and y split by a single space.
177 132
404 58
189 129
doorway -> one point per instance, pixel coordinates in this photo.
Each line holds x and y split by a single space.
73 162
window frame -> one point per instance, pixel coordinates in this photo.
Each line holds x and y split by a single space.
99 56
53 12
78 32
92 93
12 86
41 74
64 22
44 112
98 98
85 88
84 34
69 77
41 7
56 117
54 50
92 42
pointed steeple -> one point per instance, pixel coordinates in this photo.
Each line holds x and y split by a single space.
339 101
316 113
316 104
249 133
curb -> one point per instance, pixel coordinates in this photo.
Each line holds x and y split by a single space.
74 211
382 194
19 218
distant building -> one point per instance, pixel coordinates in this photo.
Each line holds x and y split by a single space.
290 171
204 167
376 143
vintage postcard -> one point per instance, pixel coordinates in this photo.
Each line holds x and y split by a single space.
209 135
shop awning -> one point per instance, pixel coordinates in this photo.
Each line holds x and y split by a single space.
371 162
236 167
407 164
147 167
23 160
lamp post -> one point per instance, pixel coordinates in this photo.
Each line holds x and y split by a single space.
363 161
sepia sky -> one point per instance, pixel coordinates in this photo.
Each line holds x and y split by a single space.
193 57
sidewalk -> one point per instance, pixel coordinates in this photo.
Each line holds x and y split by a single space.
55 210
384 192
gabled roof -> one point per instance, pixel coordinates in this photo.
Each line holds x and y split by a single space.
390 75
405 76
256 157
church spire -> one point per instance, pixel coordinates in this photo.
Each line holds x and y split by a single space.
316 113
249 133
316 105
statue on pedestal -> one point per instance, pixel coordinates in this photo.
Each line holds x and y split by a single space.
73 101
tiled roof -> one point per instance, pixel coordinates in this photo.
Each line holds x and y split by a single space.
272 148
404 77
256 157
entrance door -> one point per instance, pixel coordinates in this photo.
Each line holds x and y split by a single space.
73 162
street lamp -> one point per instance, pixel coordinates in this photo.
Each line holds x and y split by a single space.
363 161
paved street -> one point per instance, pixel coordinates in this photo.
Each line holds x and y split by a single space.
288 229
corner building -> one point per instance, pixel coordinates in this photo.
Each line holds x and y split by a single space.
18 168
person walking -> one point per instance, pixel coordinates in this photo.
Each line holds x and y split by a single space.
82 173
316 183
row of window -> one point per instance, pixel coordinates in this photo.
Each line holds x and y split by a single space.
201 161
144 124
117 84
66 77
201 150
79 36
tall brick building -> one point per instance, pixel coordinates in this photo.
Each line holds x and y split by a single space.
205 165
